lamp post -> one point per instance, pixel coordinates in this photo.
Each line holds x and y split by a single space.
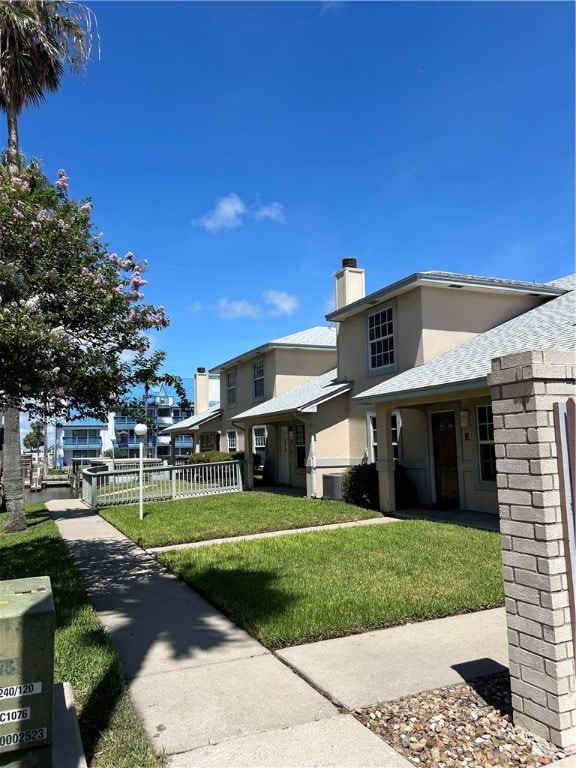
140 431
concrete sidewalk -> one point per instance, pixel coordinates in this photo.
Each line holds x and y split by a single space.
210 695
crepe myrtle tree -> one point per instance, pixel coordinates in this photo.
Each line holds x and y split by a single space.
69 311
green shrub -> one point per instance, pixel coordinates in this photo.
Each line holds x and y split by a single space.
209 457
360 486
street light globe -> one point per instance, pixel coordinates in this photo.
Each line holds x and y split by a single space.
140 430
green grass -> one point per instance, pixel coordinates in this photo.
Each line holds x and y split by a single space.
294 589
224 515
111 733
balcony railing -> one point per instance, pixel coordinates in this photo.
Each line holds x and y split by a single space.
103 489
93 443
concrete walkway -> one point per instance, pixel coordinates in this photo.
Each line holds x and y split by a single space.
210 695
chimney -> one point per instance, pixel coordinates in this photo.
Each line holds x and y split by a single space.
201 395
350 284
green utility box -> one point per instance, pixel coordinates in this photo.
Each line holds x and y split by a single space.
26 664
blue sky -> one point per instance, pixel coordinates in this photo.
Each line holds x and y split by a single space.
245 148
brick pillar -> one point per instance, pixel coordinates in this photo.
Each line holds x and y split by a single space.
542 672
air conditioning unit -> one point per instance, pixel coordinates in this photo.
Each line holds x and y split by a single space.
332 487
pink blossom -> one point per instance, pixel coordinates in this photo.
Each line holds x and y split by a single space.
17 214
86 209
43 215
62 180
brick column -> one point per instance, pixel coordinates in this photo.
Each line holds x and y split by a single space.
542 671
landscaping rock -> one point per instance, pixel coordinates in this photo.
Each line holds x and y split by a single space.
469 724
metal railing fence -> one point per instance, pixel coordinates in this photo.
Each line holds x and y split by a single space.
104 489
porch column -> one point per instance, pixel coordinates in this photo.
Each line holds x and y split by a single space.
173 449
385 461
248 460
537 583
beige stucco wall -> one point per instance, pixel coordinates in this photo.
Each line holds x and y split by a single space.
452 316
428 322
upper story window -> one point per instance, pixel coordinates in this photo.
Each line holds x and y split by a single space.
163 413
486 452
381 339
258 369
231 387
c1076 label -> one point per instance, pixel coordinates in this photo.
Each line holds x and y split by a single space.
14 715
22 689
36 734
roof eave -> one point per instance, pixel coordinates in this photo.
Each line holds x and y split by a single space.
456 281
424 393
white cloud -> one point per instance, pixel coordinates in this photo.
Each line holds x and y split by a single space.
194 308
274 211
230 310
230 212
283 303
226 214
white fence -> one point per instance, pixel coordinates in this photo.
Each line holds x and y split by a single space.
103 489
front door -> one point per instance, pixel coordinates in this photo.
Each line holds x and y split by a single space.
445 459
284 464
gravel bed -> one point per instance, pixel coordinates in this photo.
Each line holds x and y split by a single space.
468 725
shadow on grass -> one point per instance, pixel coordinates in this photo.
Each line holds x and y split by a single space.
83 654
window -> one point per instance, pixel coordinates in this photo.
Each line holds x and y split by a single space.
259 437
258 369
373 436
381 339
486 451
232 441
163 413
300 446
231 387
207 441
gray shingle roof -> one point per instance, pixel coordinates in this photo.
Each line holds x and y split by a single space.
311 393
192 422
549 326
318 337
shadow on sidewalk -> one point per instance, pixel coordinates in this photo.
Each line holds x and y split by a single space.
156 623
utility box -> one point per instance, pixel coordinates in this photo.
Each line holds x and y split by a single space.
26 664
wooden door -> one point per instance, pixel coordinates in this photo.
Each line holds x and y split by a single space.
445 459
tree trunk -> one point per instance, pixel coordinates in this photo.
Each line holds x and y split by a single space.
13 153
13 485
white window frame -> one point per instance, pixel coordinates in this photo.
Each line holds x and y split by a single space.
259 438
300 442
485 440
372 435
231 387
381 339
258 378
232 438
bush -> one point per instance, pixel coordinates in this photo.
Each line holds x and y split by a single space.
360 486
209 457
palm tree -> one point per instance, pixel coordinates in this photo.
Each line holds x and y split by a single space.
38 39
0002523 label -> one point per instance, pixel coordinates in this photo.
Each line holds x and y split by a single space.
36 734
21 689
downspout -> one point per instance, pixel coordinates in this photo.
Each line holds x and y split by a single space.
311 457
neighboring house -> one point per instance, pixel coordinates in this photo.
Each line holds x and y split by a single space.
253 377
333 422
82 439
266 372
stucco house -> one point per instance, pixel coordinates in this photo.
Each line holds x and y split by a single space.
253 377
370 407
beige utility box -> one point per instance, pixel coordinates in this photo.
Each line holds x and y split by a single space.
26 664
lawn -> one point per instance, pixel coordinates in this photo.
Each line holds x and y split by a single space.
111 733
227 514
293 589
